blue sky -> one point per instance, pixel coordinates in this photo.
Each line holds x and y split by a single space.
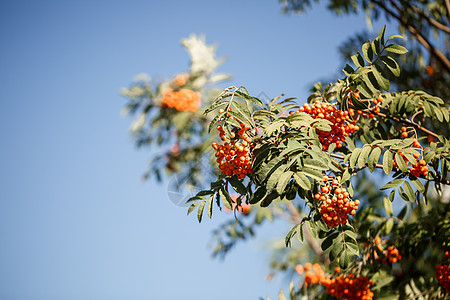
76 222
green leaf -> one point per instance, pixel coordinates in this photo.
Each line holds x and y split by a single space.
392 195
387 162
354 157
210 206
401 163
311 228
329 240
317 175
228 202
237 185
388 206
274 178
336 250
215 120
291 233
382 32
388 227
270 167
391 64
345 176
249 98
258 195
376 45
302 181
350 236
200 211
395 37
369 84
367 52
373 159
397 49
358 60
344 259
283 181
192 207
391 184
418 185
381 80
348 70
363 156
409 191
315 164
402 194
350 144
300 234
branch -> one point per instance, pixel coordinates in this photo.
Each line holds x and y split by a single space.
314 245
432 22
409 122
447 5
401 120
380 166
436 53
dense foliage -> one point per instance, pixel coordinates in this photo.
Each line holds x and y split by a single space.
318 165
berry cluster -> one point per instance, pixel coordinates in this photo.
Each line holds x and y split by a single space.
340 127
418 169
336 204
314 273
181 100
375 109
234 157
443 273
349 287
391 253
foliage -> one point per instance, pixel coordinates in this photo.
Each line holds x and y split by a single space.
308 165
426 26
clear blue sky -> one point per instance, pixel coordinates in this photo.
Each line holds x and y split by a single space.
76 222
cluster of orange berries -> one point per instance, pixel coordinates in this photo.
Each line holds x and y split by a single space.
373 110
314 273
349 287
340 127
336 204
420 168
443 273
234 157
392 254
182 99
343 287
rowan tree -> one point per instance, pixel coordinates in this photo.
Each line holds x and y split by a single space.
318 165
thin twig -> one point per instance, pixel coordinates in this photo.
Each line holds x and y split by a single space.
309 238
447 5
407 121
420 38
380 166
432 22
